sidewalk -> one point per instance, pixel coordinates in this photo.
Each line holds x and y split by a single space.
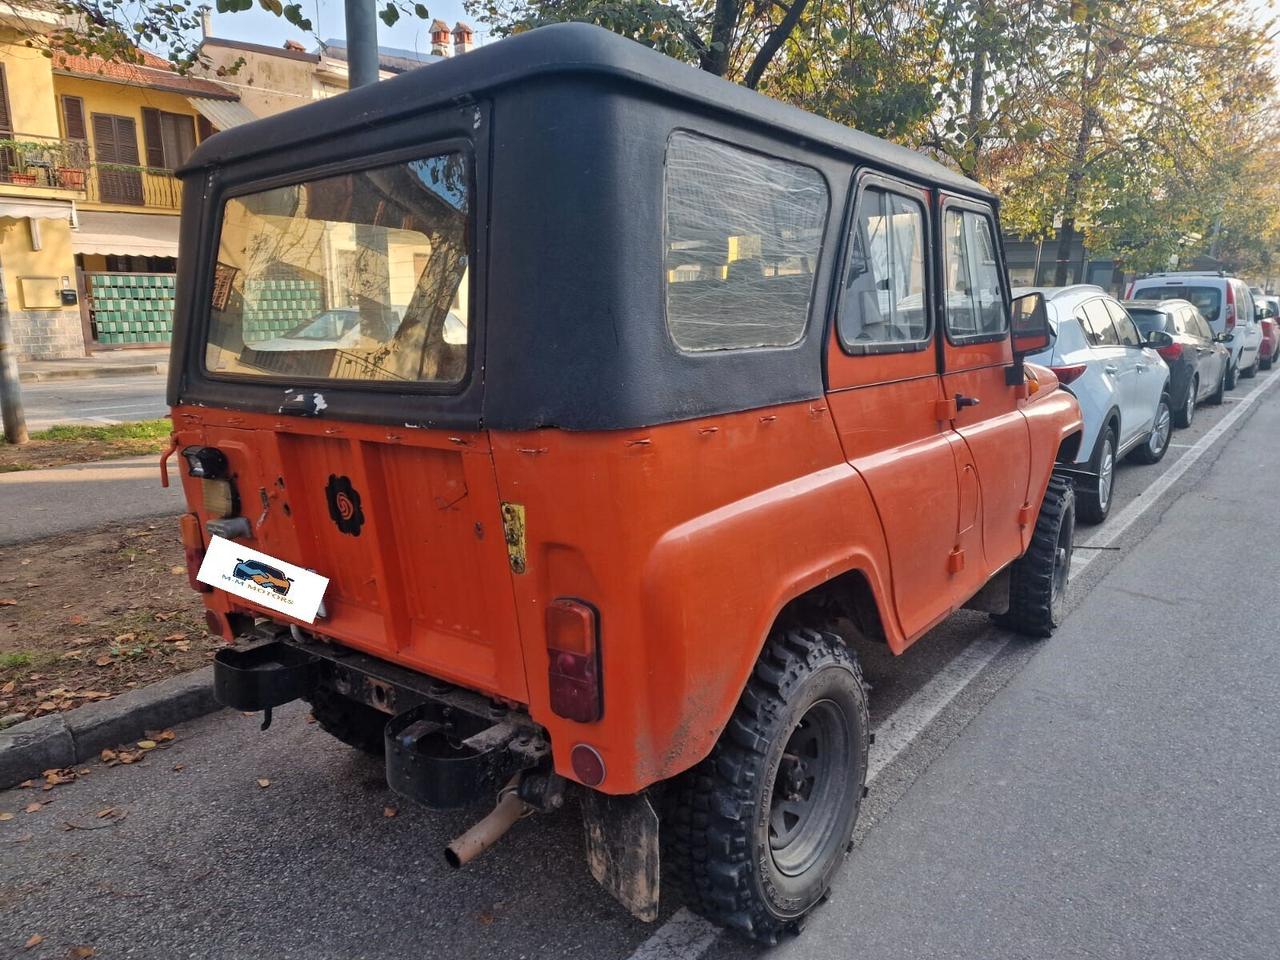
43 503
1119 797
104 363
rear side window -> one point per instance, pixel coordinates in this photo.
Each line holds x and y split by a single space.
1208 300
743 235
974 297
1125 328
882 300
1097 324
1151 321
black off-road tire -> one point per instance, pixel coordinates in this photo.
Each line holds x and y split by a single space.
1093 507
1149 451
1188 410
1038 579
1233 376
718 829
1251 371
355 724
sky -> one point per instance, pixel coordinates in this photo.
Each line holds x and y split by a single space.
410 33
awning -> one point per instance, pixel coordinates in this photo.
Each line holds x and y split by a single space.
223 114
18 209
126 233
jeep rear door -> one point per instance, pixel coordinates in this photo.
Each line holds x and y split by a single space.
976 352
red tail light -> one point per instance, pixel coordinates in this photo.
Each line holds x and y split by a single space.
1068 374
573 670
193 550
1170 353
1230 315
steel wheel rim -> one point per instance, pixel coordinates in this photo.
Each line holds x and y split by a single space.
810 789
1106 471
1191 401
1160 435
1061 570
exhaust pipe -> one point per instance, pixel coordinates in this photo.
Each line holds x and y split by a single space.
490 830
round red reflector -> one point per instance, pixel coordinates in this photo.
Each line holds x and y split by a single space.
588 765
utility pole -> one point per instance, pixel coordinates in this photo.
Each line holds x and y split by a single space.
362 43
15 421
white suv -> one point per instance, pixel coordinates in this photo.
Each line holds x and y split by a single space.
1122 384
1226 303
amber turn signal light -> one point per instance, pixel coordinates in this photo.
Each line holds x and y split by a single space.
573 669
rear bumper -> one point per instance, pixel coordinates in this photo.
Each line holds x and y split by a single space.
446 746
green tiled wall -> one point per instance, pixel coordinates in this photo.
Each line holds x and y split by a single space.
274 307
132 307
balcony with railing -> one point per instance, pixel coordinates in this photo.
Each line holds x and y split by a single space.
37 163
29 160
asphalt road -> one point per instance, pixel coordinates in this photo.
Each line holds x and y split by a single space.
1109 793
97 401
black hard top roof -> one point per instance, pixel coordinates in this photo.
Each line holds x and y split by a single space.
560 49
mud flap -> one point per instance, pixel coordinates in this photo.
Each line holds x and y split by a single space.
622 849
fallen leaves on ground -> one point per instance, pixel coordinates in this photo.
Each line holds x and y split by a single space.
8 602
33 941
147 744
263 782
5 815
35 806
81 953
389 811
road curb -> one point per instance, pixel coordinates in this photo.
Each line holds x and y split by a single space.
62 739
92 373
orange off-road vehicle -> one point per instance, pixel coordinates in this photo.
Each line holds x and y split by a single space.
600 391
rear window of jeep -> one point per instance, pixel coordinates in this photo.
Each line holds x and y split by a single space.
743 235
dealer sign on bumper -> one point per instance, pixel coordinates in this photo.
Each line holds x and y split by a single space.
262 579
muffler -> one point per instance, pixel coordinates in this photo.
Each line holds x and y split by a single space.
490 830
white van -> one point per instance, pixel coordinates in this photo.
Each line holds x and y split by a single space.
1226 303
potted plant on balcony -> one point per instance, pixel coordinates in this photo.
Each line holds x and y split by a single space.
22 178
71 178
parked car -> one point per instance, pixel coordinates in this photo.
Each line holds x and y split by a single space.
1197 359
649 386
1122 384
1226 302
1270 349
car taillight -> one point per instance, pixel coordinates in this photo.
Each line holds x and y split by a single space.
1068 374
573 669
1230 314
193 550
1171 352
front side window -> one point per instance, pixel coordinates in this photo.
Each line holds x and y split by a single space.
882 300
361 276
1125 328
743 235
974 297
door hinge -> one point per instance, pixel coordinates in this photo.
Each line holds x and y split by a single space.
513 533
945 409
955 560
1026 514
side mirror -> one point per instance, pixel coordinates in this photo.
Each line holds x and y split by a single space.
1159 338
1222 338
1029 329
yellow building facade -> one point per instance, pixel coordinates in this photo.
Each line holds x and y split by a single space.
88 201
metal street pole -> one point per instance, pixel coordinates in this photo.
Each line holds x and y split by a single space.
362 43
15 421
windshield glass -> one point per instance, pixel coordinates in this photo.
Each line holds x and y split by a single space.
1207 299
361 276
1150 321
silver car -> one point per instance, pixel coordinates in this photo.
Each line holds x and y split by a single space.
1122 384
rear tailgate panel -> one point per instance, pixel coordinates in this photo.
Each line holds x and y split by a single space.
421 575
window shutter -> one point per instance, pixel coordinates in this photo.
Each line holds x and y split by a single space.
104 138
6 118
73 118
153 136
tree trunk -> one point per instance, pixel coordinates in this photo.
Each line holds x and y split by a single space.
716 59
977 85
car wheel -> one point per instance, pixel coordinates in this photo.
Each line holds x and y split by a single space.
1264 363
1157 442
1188 411
1094 496
759 827
1233 376
355 724
1038 579
1219 394
1251 371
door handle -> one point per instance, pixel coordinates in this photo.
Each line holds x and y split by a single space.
1111 368
962 401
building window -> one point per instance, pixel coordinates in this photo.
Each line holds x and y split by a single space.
170 138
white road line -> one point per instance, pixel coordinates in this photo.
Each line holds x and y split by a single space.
686 936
